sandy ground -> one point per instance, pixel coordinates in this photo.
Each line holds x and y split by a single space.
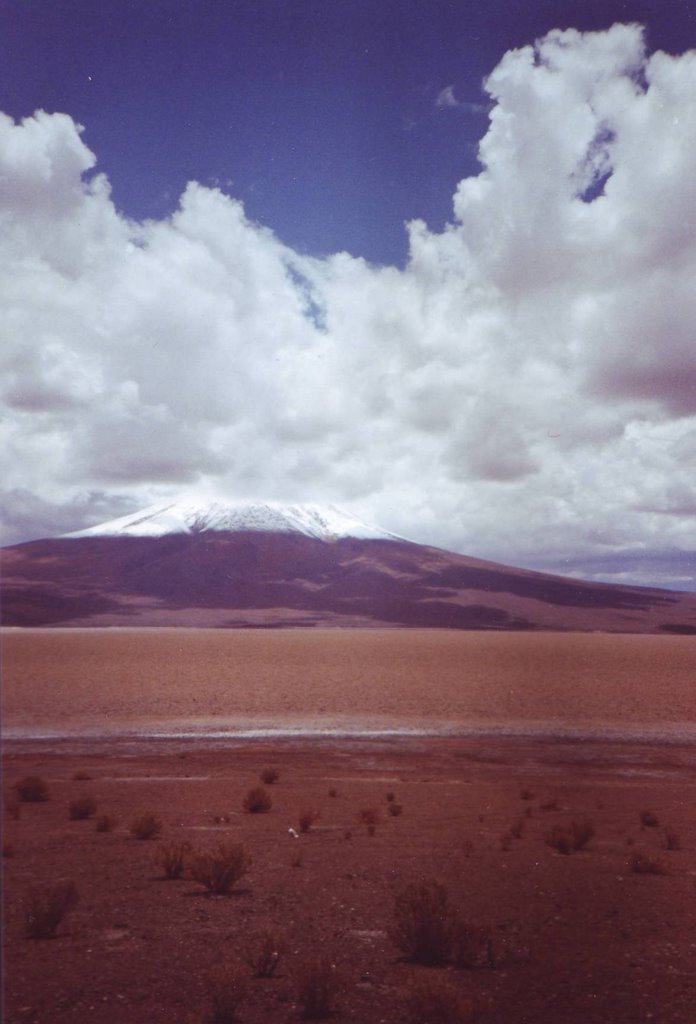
576 939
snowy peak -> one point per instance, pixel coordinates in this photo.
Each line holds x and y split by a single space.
189 515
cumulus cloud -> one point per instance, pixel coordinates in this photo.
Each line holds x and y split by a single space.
525 388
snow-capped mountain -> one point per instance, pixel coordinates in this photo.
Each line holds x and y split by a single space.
190 514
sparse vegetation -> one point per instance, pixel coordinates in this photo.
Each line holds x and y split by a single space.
517 829
81 776
423 922
269 776
549 805
471 947
171 857
264 951
672 840
317 988
81 808
228 985
307 817
7 850
13 809
105 823
566 839
333 792
257 801
369 816
32 789
390 797
218 870
644 863
46 906
147 826
436 1000
526 794
648 819
395 810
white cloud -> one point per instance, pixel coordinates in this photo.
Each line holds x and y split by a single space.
525 388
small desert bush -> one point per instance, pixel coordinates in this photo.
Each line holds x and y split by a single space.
333 792
526 794
263 952
423 922
517 829
228 986
45 907
81 776
368 816
644 863
317 988
32 789
257 801
506 841
648 819
395 810
269 775
567 839
390 797
436 1000
171 858
672 840
307 817
471 947
218 870
147 826
105 823
81 808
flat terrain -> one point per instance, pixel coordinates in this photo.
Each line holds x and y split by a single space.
581 938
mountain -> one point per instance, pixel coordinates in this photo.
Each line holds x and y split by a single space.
193 563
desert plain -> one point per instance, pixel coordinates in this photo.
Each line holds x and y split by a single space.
493 746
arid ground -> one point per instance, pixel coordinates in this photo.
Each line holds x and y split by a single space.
491 744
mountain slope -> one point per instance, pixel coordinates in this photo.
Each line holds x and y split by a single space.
188 565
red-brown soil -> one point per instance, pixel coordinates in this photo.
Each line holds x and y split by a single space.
578 939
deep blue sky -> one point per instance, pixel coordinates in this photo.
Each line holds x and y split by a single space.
319 114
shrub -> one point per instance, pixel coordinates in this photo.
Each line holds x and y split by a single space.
219 869
643 863
648 819
171 857
395 810
436 1000
423 922
672 840
82 776
228 987
105 823
526 794
307 817
83 807
317 987
471 946
32 789
568 838
517 829
45 907
506 841
257 801
368 816
264 950
269 776
147 826
390 798
333 792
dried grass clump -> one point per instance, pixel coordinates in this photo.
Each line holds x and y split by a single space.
566 839
32 789
436 1000
257 801
471 947
423 922
395 810
269 775
228 986
147 826
317 988
648 819
105 823
46 906
171 858
307 817
218 870
81 808
644 863
264 951
368 816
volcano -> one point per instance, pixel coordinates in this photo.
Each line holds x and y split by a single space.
190 563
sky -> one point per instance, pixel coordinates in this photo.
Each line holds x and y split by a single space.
431 261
